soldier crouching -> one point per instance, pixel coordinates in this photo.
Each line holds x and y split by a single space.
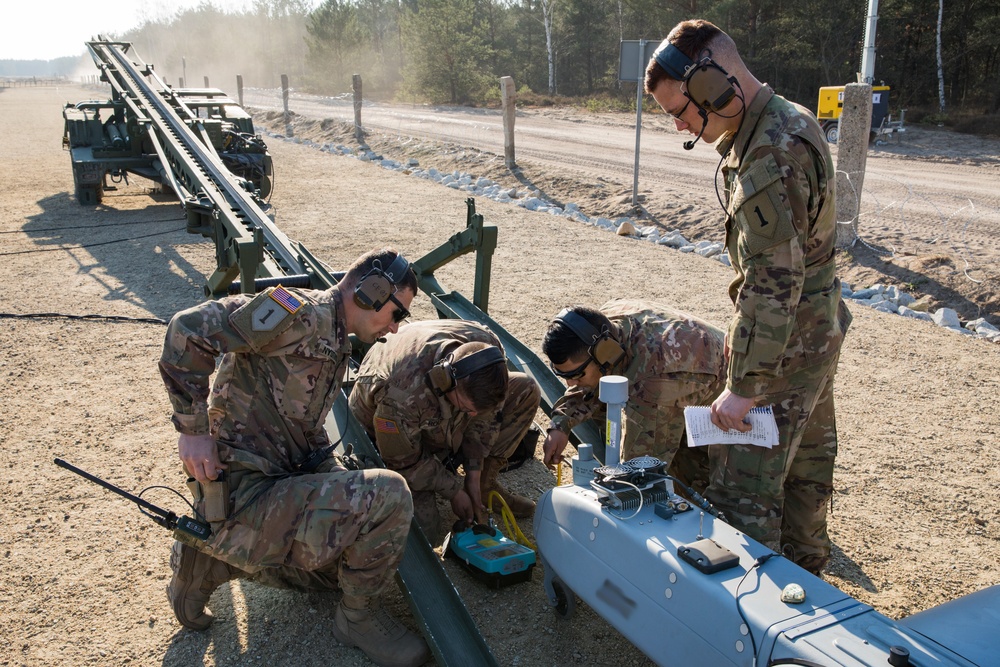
283 511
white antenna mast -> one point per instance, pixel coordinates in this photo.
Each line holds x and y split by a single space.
867 73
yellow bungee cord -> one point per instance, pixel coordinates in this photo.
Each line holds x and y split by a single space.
510 523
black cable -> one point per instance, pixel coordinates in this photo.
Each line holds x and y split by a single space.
718 167
757 563
175 492
74 227
113 318
90 245
698 499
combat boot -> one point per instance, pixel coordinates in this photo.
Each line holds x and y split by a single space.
520 506
196 576
363 622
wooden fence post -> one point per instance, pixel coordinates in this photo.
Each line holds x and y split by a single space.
359 132
284 103
508 97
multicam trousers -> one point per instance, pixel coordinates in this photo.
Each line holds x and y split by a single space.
779 496
335 529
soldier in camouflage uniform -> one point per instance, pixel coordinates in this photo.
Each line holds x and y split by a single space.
671 359
421 409
282 510
785 336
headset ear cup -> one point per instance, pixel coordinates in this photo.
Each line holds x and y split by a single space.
441 378
372 291
709 86
607 352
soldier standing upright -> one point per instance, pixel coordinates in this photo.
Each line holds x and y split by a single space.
789 322
671 359
282 511
440 390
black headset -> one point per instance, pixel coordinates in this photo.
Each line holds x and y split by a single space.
444 375
602 348
705 82
374 289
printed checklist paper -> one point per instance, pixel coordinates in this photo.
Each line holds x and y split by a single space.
701 431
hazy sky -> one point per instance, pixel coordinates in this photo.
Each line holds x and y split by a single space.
47 29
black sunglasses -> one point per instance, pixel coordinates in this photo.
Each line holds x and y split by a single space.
401 313
574 374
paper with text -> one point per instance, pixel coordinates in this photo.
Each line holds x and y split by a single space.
701 431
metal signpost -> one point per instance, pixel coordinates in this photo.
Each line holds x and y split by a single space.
632 67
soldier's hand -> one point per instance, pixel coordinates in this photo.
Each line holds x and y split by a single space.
553 447
729 411
200 456
461 505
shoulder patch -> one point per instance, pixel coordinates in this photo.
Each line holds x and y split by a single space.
764 214
383 425
265 316
285 299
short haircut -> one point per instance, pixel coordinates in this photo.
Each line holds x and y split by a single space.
561 344
384 256
692 38
487 387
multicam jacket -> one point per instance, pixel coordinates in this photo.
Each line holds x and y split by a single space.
284 355
669 355
780 234
414 428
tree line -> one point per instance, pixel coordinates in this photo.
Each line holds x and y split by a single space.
454 51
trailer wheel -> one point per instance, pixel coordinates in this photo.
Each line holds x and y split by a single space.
832 131
565 602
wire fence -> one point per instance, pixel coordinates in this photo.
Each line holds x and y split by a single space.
896 218
479 129
32 81
899 219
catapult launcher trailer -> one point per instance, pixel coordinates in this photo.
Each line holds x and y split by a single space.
137 131
681 584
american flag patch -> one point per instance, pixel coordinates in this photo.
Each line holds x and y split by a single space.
285 299
385 425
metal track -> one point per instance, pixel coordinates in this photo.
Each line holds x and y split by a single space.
199 170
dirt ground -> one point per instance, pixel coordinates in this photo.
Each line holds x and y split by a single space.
915 522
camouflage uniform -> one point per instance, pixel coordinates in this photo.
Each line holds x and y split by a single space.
416 430
790 321
672 360
281 370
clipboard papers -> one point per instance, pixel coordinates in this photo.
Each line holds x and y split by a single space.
701 431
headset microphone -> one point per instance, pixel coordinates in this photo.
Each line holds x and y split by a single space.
688 145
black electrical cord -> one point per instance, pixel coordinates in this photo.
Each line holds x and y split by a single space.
757 563
176 493
111 318
718 167
75 227
698 499
90 245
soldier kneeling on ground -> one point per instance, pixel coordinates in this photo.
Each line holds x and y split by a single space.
440 389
